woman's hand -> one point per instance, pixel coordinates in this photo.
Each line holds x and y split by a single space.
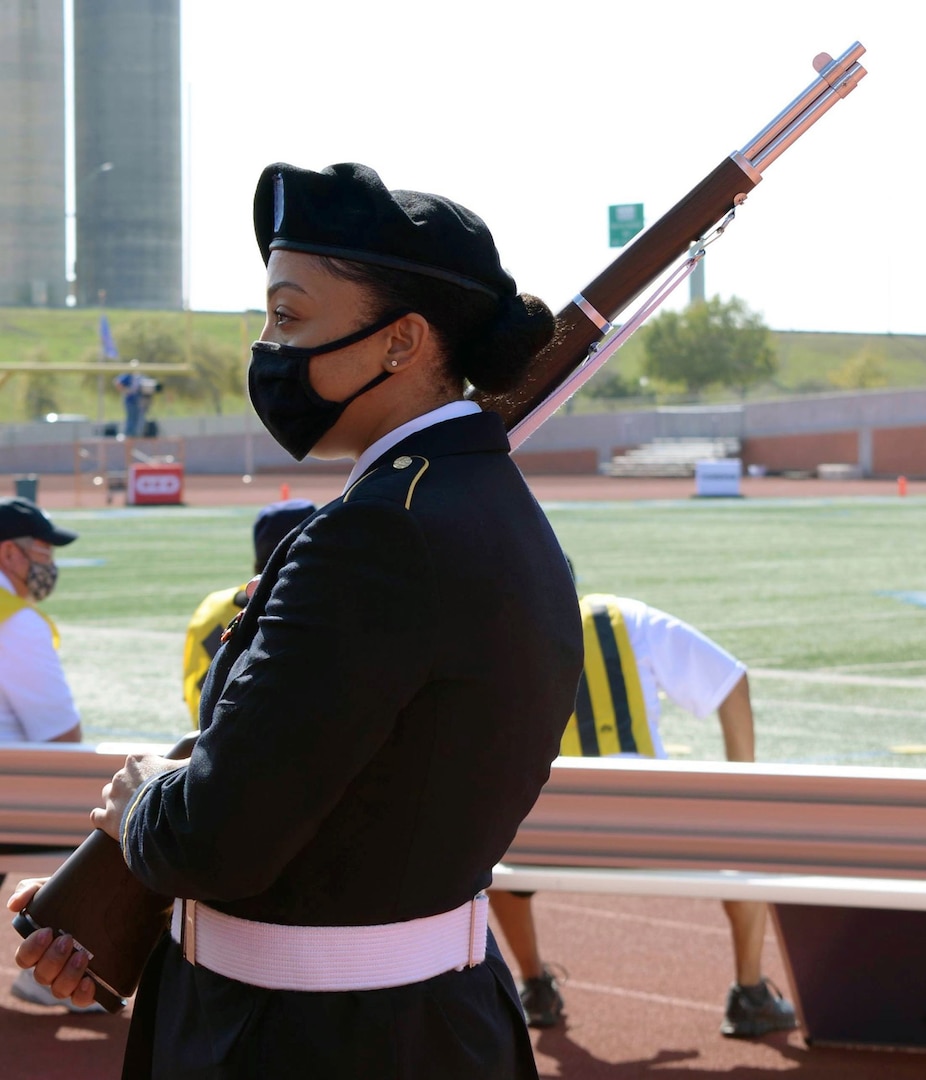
24 892
58 965
127 782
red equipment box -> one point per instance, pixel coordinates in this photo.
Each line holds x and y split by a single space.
151 485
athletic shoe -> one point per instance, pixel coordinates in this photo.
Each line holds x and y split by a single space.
27 989
541 1001
756 1010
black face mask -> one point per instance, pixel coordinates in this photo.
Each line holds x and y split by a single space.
282 395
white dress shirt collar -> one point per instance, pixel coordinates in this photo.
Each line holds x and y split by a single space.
450 411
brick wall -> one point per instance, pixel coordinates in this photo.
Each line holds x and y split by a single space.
801 452
557 462
899 452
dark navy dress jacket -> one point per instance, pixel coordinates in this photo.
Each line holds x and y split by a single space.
380 721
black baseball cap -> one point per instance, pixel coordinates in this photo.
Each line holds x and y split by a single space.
21 517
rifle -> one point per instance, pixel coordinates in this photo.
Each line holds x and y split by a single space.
585 340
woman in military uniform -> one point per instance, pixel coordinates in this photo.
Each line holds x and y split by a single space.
385 711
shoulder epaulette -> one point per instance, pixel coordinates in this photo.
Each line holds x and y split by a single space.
401 465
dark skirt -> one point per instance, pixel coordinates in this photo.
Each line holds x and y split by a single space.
188 1022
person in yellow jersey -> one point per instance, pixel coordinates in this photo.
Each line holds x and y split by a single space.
634 653
216 611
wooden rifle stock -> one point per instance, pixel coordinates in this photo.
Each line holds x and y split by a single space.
94 897
586 319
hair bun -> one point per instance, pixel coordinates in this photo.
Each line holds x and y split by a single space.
522 326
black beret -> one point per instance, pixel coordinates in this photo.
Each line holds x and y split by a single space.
346 212
21 517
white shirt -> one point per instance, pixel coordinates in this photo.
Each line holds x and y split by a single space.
449 411
36 704
672 656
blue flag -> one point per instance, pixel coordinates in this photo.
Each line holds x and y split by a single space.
107 344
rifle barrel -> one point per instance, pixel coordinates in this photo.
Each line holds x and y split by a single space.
810 116
829 76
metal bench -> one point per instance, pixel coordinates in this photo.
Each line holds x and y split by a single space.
839 853
46 793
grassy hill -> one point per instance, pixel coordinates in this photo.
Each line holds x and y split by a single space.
72 336
808 362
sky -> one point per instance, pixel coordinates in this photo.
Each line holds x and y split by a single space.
539 116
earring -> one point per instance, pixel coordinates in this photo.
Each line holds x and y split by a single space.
395 363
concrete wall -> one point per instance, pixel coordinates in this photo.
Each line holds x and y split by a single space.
128 153
882 432
32 183
220 445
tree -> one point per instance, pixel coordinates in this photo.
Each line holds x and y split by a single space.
610 383
866 370
709 343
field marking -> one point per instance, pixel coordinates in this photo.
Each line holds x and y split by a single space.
620 991
826 706
152 512
624 916
888 615
835 678
879 664
639 995
917 599
843 503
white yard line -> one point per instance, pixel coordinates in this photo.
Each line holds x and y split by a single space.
625 916
640 995
829 676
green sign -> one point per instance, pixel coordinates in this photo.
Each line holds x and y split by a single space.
624 222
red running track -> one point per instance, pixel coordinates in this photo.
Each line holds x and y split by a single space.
644 997
56 492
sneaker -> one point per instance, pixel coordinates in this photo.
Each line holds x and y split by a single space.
27 989
541 1001
756 1010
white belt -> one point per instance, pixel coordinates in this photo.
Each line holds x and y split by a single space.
328 958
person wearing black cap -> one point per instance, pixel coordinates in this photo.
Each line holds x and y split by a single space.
385 710
35 701
216 611
36 704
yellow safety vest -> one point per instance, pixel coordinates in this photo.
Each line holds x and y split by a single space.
10 603
610 716
203 638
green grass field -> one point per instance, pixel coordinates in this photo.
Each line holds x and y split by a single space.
825 600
